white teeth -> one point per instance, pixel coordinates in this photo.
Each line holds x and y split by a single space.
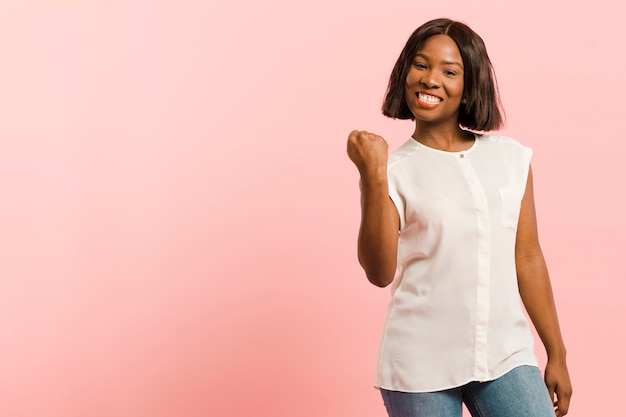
428 99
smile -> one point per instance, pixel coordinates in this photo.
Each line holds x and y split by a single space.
427 99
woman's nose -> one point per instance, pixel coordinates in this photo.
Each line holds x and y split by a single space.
430 80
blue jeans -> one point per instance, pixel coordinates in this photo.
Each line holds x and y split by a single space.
519 393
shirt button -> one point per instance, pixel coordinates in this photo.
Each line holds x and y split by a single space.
462 156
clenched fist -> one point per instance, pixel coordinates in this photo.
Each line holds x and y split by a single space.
368 152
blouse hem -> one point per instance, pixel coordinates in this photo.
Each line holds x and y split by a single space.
447 387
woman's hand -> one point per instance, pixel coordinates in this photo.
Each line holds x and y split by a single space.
368 152
558 382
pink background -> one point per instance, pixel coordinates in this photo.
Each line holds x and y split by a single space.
178 215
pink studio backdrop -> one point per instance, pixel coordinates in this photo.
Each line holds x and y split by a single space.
178 216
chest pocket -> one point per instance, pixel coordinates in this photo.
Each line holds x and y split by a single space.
510 203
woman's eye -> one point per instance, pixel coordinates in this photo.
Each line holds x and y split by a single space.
419 65
450 73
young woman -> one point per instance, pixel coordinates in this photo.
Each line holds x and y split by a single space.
448 220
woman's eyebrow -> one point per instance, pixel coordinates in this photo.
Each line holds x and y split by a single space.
452 63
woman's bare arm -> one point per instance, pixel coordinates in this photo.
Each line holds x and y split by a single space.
536 293
378 233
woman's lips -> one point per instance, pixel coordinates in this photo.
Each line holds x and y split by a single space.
428 101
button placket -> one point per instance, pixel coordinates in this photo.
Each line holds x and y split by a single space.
482 285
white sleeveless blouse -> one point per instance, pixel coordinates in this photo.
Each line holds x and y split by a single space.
455 314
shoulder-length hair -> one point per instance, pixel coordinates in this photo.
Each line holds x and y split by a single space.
480 109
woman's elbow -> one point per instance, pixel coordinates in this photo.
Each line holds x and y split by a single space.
380 280
380 270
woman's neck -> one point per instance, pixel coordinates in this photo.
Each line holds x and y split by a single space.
452 139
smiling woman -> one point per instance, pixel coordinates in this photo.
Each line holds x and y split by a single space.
449 221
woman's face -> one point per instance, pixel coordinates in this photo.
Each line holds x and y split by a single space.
434 84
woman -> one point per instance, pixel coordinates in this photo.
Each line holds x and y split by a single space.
453 212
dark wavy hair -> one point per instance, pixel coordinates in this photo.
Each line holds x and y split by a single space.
481 109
